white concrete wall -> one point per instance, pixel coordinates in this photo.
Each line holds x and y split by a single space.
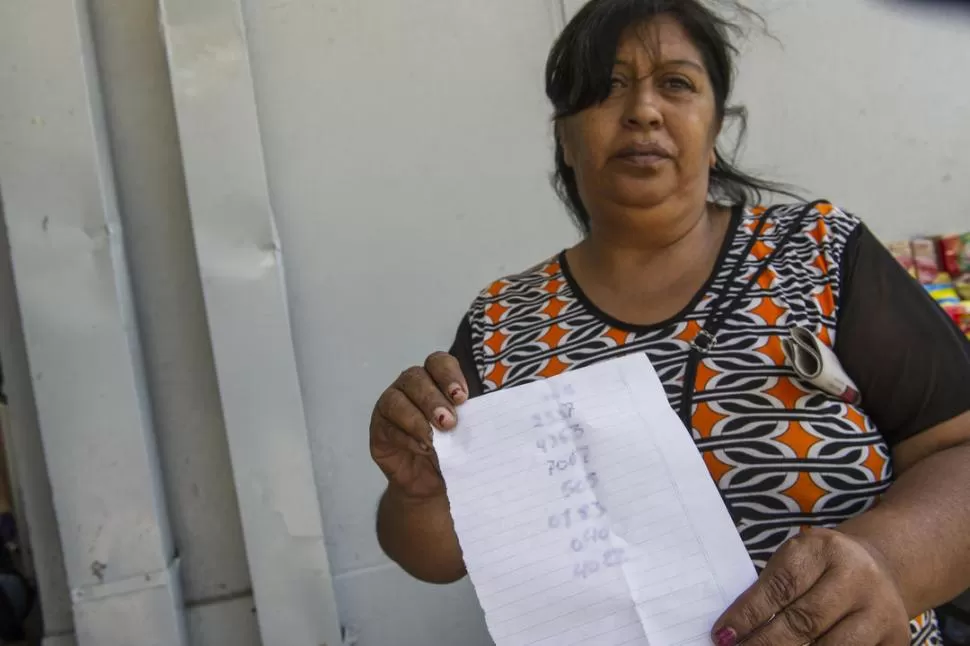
867 104
186 411
408 148
175 338
26 453
407 151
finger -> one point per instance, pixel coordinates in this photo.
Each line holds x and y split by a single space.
790 573
809 617
406 463
388 439
446 372
400 412
854 630
412 474
422 390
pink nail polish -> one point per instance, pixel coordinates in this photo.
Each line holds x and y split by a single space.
726 637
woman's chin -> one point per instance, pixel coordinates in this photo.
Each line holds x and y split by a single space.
643 197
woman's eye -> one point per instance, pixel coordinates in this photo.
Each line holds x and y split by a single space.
677 83
617 82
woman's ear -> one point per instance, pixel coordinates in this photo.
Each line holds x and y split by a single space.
564 143
717 133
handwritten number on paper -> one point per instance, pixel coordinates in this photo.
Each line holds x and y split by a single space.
566 410
581 514
559 431
593 511
611 558
575 486
590 538
552 441
559 394
563 412
580 455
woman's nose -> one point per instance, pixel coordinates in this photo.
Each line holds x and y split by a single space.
643 111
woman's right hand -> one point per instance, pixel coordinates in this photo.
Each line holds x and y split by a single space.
400 427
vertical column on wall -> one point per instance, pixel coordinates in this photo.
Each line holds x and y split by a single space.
245 296
557 11
565 13
79 329
570 7
36 522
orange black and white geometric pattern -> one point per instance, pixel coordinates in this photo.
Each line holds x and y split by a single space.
784 455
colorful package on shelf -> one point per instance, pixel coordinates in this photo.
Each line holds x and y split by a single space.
962 285
960 313
942 265
926 258
951 248
965 253
955 253
955 258
942 290
903 253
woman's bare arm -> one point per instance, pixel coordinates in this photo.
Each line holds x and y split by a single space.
419 535
922 525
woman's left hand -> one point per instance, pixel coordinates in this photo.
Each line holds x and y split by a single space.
822 587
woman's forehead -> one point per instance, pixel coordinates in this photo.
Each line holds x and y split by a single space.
661 39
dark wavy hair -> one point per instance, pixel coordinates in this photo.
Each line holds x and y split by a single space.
580 68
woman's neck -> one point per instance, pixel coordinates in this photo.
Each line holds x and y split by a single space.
650 268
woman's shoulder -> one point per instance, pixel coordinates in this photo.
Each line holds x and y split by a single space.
524 292
541 278
819 222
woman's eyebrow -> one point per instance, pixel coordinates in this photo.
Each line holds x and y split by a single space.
681 62
675 62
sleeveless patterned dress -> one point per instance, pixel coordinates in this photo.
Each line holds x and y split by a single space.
783 454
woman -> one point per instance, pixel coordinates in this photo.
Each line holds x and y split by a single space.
708 292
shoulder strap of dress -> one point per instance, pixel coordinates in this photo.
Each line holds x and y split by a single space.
727 300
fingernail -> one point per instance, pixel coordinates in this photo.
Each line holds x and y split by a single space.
443 417
726 637
457 393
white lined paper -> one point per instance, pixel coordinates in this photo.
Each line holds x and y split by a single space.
586 515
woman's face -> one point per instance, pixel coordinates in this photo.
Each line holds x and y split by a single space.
652 140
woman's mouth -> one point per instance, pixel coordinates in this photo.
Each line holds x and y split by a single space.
643 160
644 155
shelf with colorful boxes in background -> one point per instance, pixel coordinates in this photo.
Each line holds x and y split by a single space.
942 265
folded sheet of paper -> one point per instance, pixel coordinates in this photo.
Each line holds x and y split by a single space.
587 516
